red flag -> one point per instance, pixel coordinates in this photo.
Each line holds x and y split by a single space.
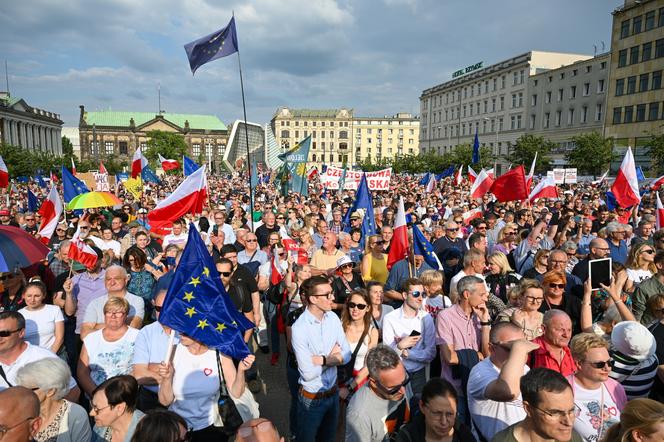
54 177
472 175
102 169
657 183
659 216
544 189
481 184
189 197
167 164
73 167
81 252
4 174
138 162
399 243
471 215
50 211
529 178
511 186
626 186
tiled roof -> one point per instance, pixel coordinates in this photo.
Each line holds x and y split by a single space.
121 119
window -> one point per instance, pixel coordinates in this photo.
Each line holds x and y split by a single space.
520 99
143 145
640 113
588 69
515 78
560 95
646 52
624 29
486 106
622 58
570 117
493 105
108 146
653 111
636 24
650 20
656 80
532 122
660 20
599 109
634 55
500 124
562 75
521 76
513 122
659 48
513 100
629 114
586 89
297 134
584 114
643 82
602 65
495 84
631 84
502 103
575 72
123 147
572 92
503 79
196 149
486 87
617 115
343 134
533 101
559 115
620 87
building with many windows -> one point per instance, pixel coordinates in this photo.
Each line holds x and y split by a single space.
108 133
491 101
29 127
235 156
377 138
568 101
636 97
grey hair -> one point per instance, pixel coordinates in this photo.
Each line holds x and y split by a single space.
468 283
550 315
117 267
344 236
569 245
612 227
379 358
611 315
48 373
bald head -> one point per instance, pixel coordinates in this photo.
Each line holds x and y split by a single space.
599 248
258 430
19 405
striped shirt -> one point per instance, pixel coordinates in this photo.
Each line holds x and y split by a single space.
636 377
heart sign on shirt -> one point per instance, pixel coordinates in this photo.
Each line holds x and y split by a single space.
207 371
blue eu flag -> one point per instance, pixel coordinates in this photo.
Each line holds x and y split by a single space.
189 166
425 179
445 173
33 202
197 304
149 176
476 149
363 201
424 248
71 185
216 45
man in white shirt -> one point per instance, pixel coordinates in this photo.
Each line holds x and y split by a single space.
220 224
474 263
494 396
178 236
106 242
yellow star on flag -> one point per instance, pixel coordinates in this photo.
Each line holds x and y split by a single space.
190 312
195 281
188 296
220 327
206 272
202 324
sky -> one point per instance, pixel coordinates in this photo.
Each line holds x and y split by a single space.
374 56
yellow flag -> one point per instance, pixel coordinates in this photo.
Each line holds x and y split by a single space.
134 186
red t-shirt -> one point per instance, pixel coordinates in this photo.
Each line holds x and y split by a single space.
542 358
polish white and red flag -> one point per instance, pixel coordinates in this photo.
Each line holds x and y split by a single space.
189 197
80 251
298 253
102 168
399 243
4 174
657 183
73 167
138 162
458 177
659 216
471 215
544 189
431 184
626 186
481 184
51 210
602 178
167 164
529 178
472 175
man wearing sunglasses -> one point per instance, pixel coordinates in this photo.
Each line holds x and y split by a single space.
451 239
410 331
238 292
30 225
380 407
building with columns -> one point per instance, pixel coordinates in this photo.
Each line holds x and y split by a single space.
106 133
29 127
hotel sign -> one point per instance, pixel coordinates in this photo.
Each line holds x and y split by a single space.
471 68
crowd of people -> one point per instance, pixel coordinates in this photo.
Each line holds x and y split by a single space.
503 339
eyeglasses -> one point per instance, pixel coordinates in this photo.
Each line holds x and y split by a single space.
649 251
325 295
226 274
481 227
534 299
352 305
601 364
29 219
96 409
262 427
556 286
452 229
280 217
84 227
377 243
561 414
115 314
251 240
7 333
4 430
393 390
415 293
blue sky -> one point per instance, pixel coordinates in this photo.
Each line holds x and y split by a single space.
375 56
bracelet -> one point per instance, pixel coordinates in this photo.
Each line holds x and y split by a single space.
324 360
485 324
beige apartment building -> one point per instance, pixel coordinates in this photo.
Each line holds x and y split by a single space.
378 138
635 94
490 100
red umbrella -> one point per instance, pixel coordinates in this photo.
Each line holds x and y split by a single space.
19 249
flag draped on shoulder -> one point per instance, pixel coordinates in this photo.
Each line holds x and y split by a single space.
50 211
626 186
511 186
399 243
422 247
189 197
216 45
197 304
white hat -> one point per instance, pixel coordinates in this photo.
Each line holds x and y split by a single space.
343 261
634 340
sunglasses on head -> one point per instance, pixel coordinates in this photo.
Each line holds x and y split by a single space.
352 305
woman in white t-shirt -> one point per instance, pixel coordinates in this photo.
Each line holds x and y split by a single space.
44 323
640 265
190 386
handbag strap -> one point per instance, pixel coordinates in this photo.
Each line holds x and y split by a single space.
358 346
4 376
222 380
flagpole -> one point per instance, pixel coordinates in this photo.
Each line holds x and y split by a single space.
246 137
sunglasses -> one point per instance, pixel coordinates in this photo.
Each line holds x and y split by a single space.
226 274
452 230
393 390
7 333
84 227
352 305
649 252
556 286
601 364
158 308
251 240
415 294
377 243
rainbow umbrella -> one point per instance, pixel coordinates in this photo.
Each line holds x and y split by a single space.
19 249
91 200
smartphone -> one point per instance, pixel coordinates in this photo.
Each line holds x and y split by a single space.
415 333
599 272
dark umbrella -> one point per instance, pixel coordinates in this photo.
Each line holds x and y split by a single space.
19 249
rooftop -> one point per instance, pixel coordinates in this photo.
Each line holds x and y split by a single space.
121 119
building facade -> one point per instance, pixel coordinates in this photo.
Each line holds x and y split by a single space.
29 127
235 156
491 101
635 94
108 133
330 130
377 138
568 101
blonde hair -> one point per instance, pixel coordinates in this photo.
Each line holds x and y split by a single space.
501 233
115 303
634 258
640 415
431 277
500 259
367 243
581 343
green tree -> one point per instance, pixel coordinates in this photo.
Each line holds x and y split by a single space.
463 154
169 145
657 152
592 153
523 152
67 147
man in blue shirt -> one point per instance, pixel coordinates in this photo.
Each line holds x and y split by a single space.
411 267
320 346
617 245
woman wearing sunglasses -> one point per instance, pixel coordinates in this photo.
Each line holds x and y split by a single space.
374 263
599 397
345 283
640 265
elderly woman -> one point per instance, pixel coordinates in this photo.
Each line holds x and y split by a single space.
374 262
190 385
113 407
507 239
526 316
501 276
107 352
61 420
599 397
44 323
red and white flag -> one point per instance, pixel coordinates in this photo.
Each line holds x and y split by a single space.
481 184
138 162
81 252
602 178
293 248
471 215
458 177
4 174
510 186
51 210
54 177
102 169
472 175
73 167
189 197
167 164
626 186
431 184
399 243
657 183
544 189
275 274
659 216
312 173
529 178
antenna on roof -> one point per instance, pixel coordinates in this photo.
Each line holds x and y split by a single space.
594 50
7 78
603 46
